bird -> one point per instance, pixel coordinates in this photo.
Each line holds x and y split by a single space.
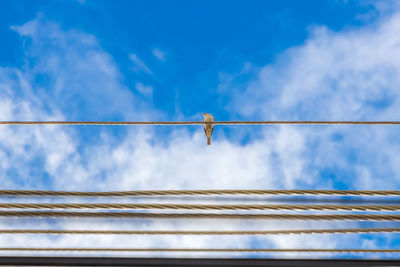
208 128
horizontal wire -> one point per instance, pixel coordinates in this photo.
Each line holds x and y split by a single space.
200 192
308 217
190 122
205 250
199 206
157 232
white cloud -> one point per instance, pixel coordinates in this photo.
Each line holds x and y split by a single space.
73 68
146 90
351 75
159 54
139 65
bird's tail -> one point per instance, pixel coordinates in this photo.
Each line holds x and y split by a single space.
208 140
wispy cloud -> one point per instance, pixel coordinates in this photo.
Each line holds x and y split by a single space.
159 54
351 75
146 90
139 65
77 75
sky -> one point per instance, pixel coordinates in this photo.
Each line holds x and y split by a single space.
172 60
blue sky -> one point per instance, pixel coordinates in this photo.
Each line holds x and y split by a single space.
199 40
173 60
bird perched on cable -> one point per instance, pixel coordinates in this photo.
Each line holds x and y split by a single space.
208 127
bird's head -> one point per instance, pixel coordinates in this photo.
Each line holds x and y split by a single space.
208 117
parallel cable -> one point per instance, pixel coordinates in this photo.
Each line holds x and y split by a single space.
192 122
308 217
159 232
199 206
205 250
141 193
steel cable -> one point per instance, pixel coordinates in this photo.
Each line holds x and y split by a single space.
160 232
193 122
199 206
319 217
141 193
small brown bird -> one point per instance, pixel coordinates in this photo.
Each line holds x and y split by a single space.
208 128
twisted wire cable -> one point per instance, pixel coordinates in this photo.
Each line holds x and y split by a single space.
158 232
199 192
204 250
193 122
308 217
200 206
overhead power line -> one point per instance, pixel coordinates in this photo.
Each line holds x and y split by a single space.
141 193
205 250
192 122
308 217
199 206
159 232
